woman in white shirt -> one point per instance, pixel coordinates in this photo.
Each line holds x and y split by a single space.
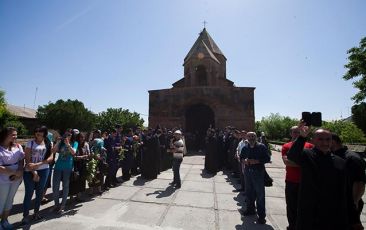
37 158
11 172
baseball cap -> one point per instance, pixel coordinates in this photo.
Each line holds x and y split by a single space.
178 132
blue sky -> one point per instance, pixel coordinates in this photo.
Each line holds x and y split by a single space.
110 53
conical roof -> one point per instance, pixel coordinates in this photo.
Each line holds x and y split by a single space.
206 45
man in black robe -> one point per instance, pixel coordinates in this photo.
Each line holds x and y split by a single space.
211 153
323 194
149 168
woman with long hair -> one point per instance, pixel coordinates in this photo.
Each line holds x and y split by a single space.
78 184
66 148
11 172
49 141
37 158
98 156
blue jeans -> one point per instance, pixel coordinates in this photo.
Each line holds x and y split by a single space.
57 174
254 190
7 193
30 186
176 167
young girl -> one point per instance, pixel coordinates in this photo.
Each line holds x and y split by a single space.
66 148
97 152
78 185
11 172
37 158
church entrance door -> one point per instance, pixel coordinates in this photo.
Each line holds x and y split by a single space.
199 117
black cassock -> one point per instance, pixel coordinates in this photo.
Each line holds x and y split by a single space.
149 158
164 158
221 150
211 156
232 160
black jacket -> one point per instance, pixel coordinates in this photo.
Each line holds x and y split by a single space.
323 194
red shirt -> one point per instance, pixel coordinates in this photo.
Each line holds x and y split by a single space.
293 174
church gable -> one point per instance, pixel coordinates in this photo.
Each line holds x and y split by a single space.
204 96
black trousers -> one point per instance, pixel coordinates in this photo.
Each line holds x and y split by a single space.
242 181
176 166
291 193
127 165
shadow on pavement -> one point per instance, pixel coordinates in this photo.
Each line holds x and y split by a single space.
250 222
163 193
46 215
140 181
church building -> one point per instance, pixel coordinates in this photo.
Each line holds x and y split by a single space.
204 97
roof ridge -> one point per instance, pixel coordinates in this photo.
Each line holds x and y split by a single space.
211 54
210 44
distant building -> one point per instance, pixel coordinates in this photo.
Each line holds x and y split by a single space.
204 97
348 119
25 115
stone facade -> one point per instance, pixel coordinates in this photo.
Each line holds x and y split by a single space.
203 97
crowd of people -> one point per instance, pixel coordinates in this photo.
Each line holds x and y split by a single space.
324 181
77 161
245 155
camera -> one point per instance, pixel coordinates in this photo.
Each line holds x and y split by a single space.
312 119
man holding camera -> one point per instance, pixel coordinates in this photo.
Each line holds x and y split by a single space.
293 175
322 195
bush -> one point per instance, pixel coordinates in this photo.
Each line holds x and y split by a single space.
347 131
108 119
66 114
275 126
21 130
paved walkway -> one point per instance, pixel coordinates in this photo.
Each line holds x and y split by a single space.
203 202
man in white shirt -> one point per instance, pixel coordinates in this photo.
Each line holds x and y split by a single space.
242 143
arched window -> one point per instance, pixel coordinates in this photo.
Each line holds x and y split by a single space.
201 75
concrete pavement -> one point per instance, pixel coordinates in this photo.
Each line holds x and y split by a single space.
203 202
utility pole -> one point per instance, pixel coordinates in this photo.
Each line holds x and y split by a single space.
35 97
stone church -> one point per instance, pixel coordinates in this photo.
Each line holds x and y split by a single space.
204 97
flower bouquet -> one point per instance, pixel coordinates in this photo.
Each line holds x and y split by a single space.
91 171
92 166
121 154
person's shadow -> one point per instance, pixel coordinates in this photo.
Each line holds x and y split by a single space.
163 193
48 215
250 222
140 181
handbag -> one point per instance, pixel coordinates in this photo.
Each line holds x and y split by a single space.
268 181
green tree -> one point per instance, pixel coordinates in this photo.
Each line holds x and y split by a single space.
276 127
3 111
66 114
108 119
359 116
357 69
346 130
12 121
7 119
